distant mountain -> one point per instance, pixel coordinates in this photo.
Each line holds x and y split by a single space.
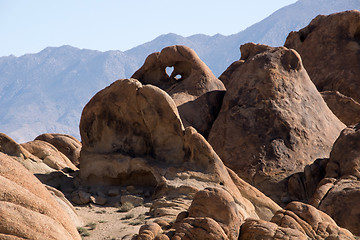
46 91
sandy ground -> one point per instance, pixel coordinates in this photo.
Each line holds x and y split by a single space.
109 223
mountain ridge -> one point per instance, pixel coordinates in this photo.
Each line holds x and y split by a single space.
46 91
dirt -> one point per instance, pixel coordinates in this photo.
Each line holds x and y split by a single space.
109 222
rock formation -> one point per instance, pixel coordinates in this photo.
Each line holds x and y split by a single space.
272 121
330 48
345 108
49 155
195 90
296 221
338 194
27 209
66 144
132 133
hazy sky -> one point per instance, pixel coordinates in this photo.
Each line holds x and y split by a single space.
28 26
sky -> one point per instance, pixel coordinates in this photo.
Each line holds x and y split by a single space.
30 26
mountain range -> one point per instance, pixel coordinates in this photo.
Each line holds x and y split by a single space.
46 91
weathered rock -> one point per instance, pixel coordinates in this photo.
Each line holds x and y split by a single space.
345 108
260 229
273 121
302 185
16 151
134 200
149 230
219 205
296 221
49 155
338 194
66 144
132 134
330 49
27 209
80 197
195 90
200 228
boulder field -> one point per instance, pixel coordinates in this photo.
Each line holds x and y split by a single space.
269 150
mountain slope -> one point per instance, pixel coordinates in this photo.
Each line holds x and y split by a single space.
46 91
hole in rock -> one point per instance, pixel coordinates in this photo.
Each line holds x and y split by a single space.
169 70
178 77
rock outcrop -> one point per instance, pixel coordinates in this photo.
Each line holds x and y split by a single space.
66 144
345 108
132 133
49 155
27 209
296 221
195 90
272 121
338 194
330 48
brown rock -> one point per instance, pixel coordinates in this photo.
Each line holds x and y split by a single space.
296 221
260 229
273 121
345 108
134 200
345 155
195 90
338 194
132 135
302 185
330 49
66 144
27 209
49 155
200 228
219 205
312 222
150 229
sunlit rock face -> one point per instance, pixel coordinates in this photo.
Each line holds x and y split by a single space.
273 121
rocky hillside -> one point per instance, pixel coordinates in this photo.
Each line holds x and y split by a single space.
45 92
254 154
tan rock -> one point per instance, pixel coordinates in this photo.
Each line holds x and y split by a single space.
296 221
19 153
200 228
27 209
132 135
195 90
219 205
260 229
311 221
329 47
66 144
49 155
273 121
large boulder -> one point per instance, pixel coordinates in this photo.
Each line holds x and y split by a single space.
296 221
27 209
195 90
273 121
132 135
338 193
330 49
66 144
